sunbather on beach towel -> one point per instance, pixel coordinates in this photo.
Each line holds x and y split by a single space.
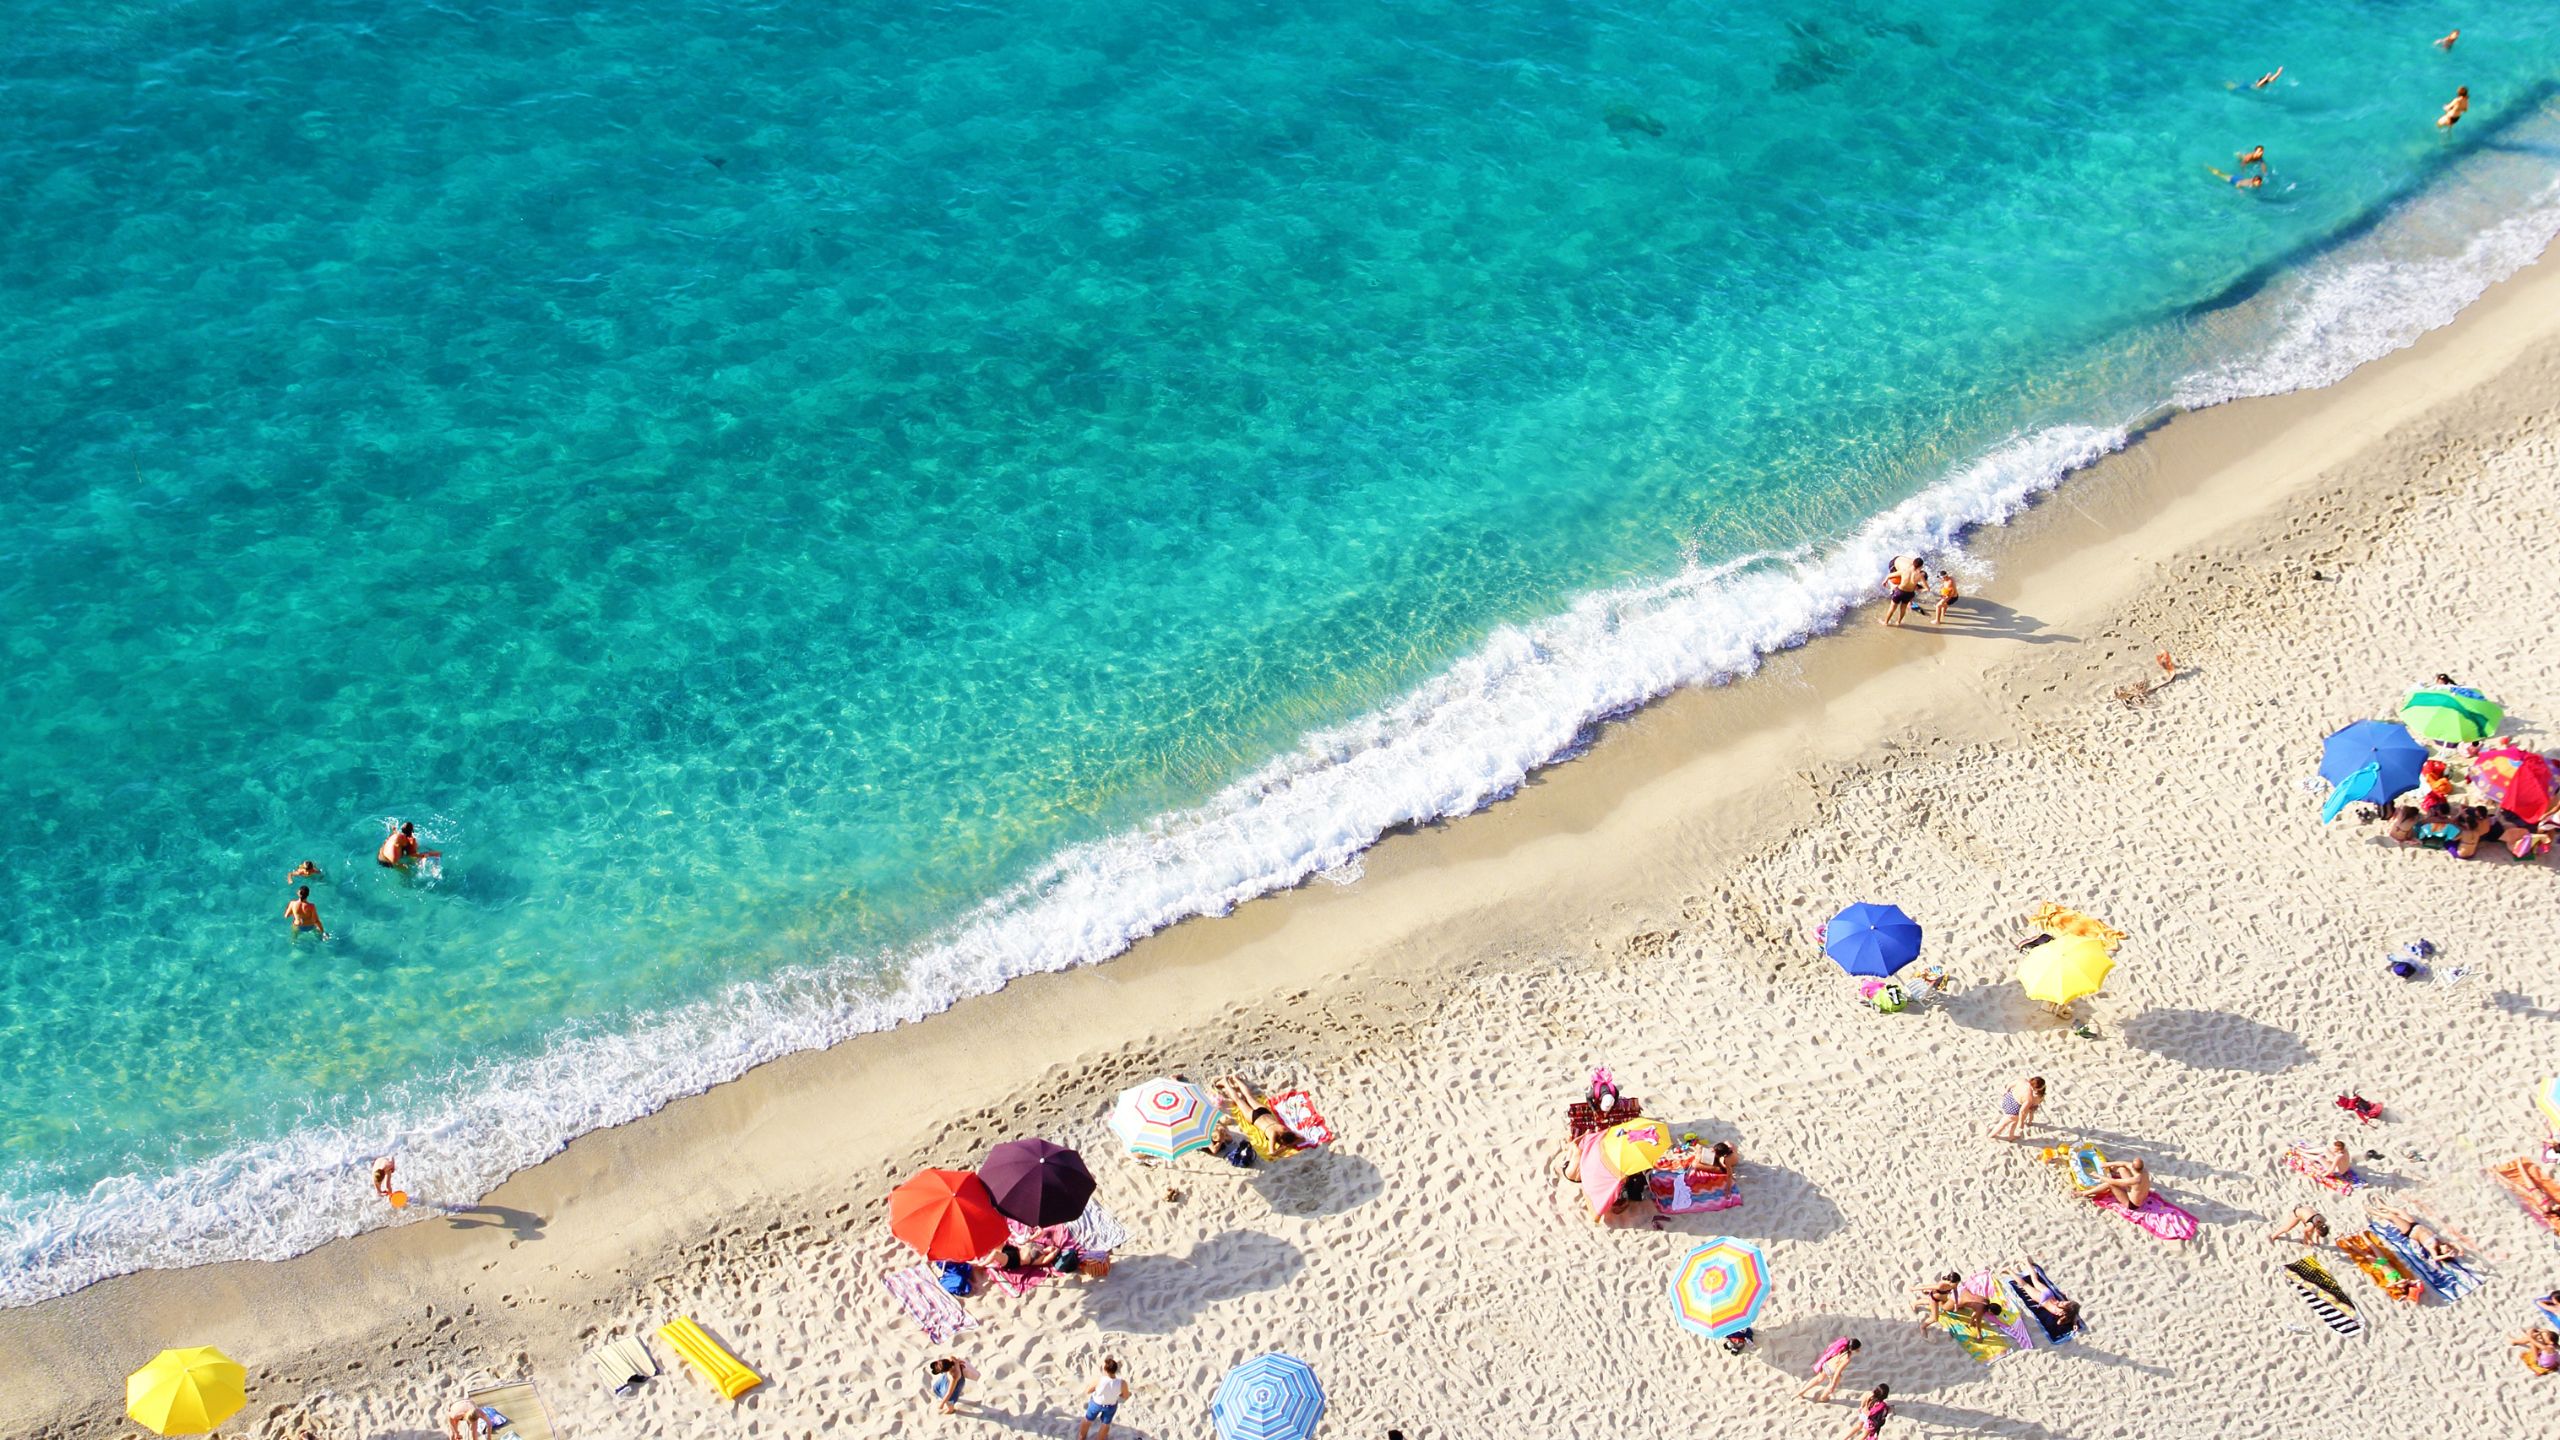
2127 1180
1257 1107
2430 1241
2058 1313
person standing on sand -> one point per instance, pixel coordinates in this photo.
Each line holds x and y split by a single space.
946 1378
1871 1415
2455 108
1828 1370
304 914
466 1423
1102 1399
2018 1106
1902 586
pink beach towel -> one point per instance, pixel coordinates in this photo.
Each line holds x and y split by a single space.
927 1303
2162 1219
2304 1159
2010 1322
1297 1110
1599 1182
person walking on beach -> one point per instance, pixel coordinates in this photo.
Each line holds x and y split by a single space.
400 849
1102 1397
1828 1370
304 914
1871 1415
2455 108
946 1378
2018 1106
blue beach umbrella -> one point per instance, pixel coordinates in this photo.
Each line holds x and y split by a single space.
2370 762
1269 1397
1872 940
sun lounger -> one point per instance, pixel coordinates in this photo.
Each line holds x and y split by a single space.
624 1363
933 1309
707 1355
514 1411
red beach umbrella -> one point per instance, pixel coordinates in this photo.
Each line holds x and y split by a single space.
1036 1182
947 1214
2519 782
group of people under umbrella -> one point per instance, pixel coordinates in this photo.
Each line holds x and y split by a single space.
2441 776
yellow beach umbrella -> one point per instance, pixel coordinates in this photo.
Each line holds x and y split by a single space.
1632 1148
2066 969
186 1392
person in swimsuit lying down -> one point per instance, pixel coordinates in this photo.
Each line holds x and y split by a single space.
1257 1107
2127 1180
2305 1224
2429 1240
2061 1314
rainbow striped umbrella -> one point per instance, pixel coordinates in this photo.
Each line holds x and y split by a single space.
1269 1397
2547 1095
1719 1289
1164 1119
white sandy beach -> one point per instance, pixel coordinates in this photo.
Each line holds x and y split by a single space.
1650 907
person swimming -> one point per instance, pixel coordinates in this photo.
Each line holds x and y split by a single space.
2268 79
400 849
2239 182
2446 43
307 870
2455 108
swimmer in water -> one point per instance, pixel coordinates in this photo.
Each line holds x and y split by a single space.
2447 42
400 849
2240 182
304 914
2255 155
307 870
2455 108
2268 79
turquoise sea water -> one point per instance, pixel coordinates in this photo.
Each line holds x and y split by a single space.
818 509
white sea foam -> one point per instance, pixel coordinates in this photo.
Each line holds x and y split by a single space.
1457 743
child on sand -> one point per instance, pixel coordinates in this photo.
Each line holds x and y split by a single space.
1827 1370
1871 1415
946 1378
2018 1106
1946 596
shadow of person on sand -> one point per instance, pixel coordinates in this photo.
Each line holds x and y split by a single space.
2522 1006
1319 1182
523 1224
1159 1294
1986 620
2216 1040
1911 1358
1974 1422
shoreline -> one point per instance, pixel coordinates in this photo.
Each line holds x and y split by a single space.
1623 828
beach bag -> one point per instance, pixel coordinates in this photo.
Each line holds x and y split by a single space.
2365 1110
953 1275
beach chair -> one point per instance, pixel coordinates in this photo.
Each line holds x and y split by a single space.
513 1410
726 1374
624 1363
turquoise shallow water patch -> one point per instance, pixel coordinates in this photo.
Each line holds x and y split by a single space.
819 509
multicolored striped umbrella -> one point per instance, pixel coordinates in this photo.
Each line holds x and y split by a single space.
1632 1148
1269 1397
1719 1289
2547 1095
1164 1119
2451 717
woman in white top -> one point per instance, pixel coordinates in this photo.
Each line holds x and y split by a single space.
1102 1402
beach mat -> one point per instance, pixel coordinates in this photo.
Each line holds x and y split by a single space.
515 1412
2157 1217
1982 1344
2011 1319
1297 1110
2303 1158
933 1309
2534 1189
2317 1288
2449 1278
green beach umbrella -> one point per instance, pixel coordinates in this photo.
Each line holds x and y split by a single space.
2450 717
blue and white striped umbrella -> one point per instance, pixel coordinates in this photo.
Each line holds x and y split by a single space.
1269 1397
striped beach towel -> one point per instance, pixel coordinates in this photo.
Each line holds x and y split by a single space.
2327 1298
1098 1230
928 1304
2449 1278
2010 1319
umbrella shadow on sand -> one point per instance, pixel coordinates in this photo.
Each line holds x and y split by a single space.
1159 1294
2001 1009
2216 1040
1320 1182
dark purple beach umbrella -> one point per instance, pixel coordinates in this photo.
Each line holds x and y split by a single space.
1036 1182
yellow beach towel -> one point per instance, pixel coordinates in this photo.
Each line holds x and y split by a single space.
705 1354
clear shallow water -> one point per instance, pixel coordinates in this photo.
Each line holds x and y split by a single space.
819 512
